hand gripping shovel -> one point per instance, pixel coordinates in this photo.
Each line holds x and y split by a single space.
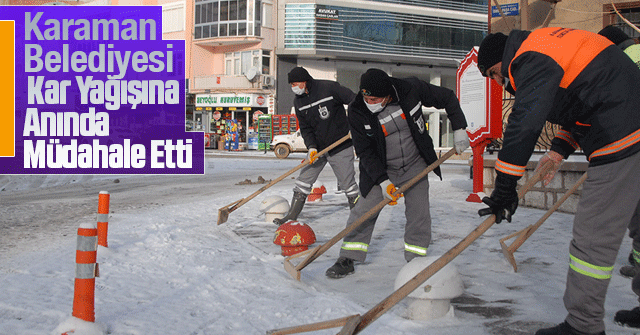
314 253
524 234
223 212
399 294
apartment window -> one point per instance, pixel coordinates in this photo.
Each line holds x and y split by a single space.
258 16
221 18
173 17
267 13
238 63
266 61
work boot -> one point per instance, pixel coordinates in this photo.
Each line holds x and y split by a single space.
563 329
629 271
628 318
342 268
297 202
352 200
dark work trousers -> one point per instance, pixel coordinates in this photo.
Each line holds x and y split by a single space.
609 199
417 232
341 162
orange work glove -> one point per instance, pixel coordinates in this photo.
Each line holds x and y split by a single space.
387 191
312 156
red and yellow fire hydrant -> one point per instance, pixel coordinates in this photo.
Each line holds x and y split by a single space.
316 193
294 237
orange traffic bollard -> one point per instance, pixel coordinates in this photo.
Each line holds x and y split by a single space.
86 269
103 218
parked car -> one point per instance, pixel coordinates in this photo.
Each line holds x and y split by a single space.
283 145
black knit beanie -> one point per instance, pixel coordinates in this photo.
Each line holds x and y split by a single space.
375 83
299 74
614 34
491 50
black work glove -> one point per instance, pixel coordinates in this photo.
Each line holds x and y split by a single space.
503 200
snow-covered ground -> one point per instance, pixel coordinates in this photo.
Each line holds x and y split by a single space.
169 269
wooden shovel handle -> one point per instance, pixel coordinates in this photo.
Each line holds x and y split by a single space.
524 234
234 205
374 313
372 211
314 326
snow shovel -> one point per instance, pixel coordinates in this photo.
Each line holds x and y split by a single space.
314 253
402 292
223 212
524 234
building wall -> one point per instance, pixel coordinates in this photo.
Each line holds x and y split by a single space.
578 14
358 35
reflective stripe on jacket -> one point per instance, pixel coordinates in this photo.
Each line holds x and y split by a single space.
574 78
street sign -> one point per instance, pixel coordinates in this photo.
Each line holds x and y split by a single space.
481 101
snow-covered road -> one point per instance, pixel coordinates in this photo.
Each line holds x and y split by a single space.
170 269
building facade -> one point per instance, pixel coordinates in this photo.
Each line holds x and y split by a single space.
340 40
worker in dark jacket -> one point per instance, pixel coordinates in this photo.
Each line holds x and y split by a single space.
587 85
392 142
632 49
319 106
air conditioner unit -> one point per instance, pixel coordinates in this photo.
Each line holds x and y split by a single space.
268 81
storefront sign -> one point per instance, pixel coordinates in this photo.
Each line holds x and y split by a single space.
216 115
260 100
229 100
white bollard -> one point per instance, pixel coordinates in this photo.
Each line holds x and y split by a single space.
431 300
274 207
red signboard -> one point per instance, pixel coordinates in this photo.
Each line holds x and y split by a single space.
481 102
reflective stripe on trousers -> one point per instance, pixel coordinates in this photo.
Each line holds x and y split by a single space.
590 270
415 249
355 246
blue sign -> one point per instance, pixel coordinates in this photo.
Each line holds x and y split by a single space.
509 9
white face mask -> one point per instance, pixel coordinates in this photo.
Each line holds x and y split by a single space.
297 90
375 108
